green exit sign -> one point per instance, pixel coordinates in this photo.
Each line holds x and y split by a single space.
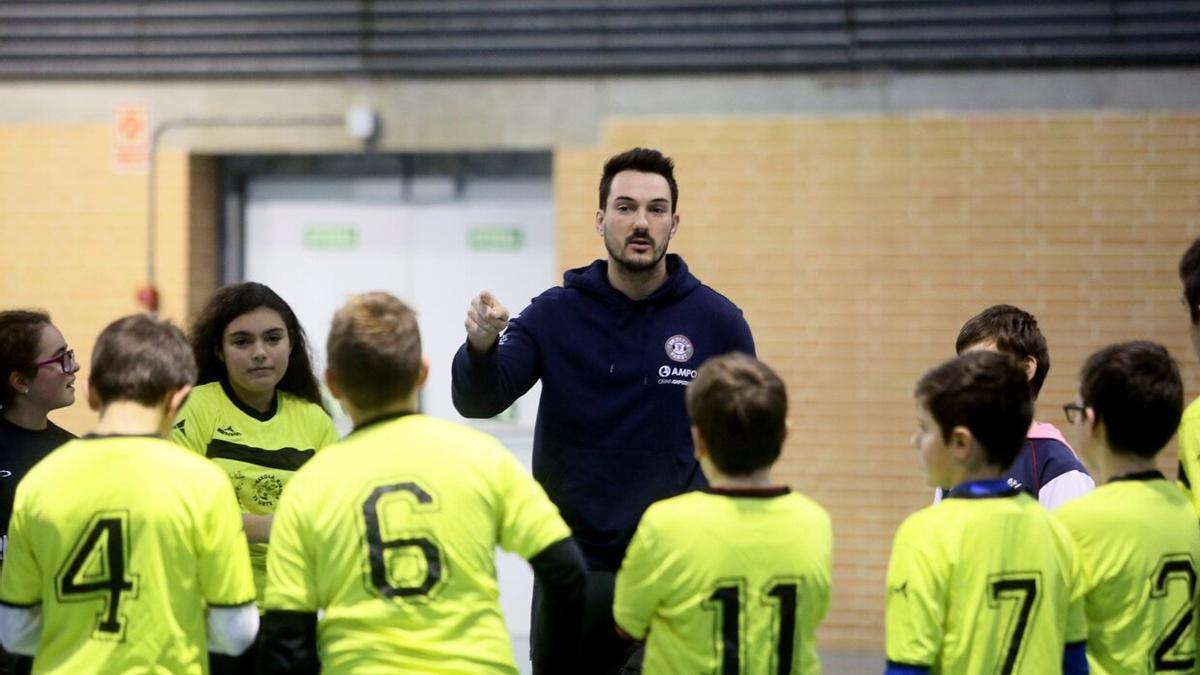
330 237
495 238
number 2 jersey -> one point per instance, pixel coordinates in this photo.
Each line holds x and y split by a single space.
392 533
124 541
984 582
1139 547
727 581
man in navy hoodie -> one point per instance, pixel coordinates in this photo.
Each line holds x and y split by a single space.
615 347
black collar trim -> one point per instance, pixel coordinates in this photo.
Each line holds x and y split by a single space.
258 415
1139 475
769 491
386 417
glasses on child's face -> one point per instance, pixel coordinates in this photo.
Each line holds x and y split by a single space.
1074 412
65 360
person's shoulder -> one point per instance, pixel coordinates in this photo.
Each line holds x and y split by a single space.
291 404
1192 412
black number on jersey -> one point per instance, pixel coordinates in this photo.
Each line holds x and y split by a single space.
97 570
726 601
1168 655
378 548
1022 589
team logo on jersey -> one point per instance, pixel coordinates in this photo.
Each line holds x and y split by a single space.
229 431
179 427
679 348
267 489
1014 484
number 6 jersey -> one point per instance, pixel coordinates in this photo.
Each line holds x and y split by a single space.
124 542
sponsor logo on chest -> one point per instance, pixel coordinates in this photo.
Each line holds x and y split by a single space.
679 349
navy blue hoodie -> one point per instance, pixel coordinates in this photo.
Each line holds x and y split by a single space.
612 434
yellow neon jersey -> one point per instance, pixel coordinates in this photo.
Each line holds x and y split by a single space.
1139 547
259 451
124 541
985 582
392 532
1189 453
727 581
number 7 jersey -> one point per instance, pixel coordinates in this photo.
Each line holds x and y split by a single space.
983 583
124 542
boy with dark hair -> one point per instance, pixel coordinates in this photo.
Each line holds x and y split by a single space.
1046 467
122 542
1138 537
734 579
1189 427
391 533
966 592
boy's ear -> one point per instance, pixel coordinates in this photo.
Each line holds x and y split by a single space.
332 384
961 442
175 401
1030 363
423 374
699 447
93 399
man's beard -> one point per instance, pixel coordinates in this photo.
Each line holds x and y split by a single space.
618 257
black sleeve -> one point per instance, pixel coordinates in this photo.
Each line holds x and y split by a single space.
289 643
560 572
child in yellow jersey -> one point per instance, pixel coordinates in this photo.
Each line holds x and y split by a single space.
256 410
1138 536
734 579
126 552
390 534
984 581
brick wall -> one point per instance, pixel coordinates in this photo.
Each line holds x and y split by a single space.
74 233
857 247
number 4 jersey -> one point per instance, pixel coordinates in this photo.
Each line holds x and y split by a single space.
124 542
984 582
728 582
1139 545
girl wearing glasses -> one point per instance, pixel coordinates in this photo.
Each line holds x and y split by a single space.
39 376
256 410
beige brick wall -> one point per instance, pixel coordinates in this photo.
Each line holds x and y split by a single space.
74 233
857 247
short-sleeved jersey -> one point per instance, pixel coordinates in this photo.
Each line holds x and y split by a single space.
984 582
727 582
259 451
1139 548
1189 453
124 542
392 533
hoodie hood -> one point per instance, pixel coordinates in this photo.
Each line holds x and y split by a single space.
593 280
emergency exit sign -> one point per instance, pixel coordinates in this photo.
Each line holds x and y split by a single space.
495 238
330 238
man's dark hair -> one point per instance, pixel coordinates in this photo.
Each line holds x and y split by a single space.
988 394
230 302
20 335
140 359
1137 393
740 407
644 160
374 350
1189 274
1015 333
